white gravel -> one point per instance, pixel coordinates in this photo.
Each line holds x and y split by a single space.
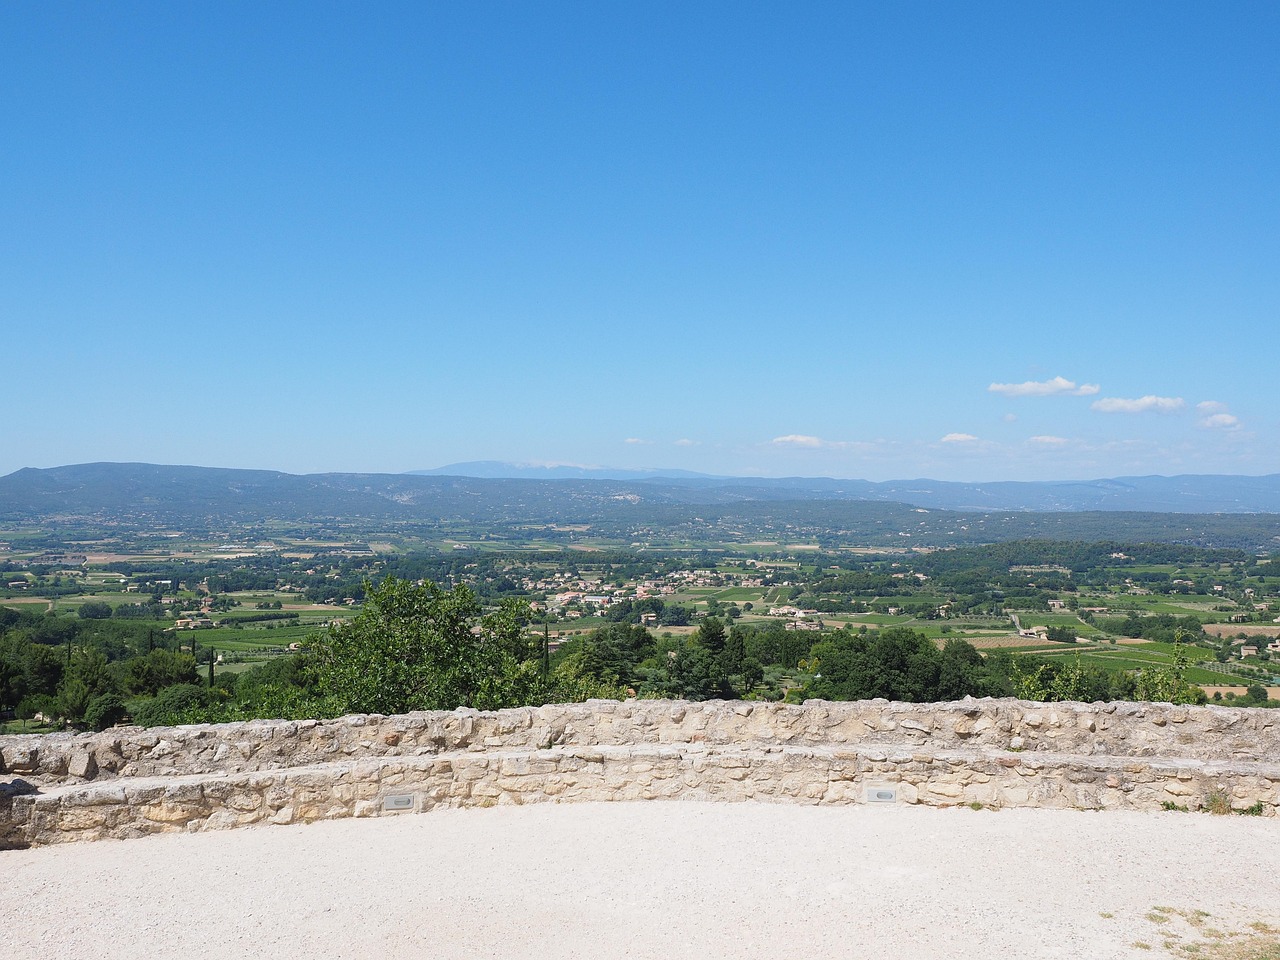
661 880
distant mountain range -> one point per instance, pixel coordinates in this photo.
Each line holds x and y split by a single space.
1191 493
1240 512
503 470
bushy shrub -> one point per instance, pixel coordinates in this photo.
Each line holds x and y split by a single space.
105 710
171 705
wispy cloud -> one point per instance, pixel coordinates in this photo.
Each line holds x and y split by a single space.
1047 440
801 440
804 441
1221 421
958 438
1058 386
637 440
1147 404
686 442
1216 416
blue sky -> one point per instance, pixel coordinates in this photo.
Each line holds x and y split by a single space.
972 242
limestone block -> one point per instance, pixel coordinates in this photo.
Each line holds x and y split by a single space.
222 820
20 758
96 796
283 815
244 801
82 764
82 818
184 793
169 813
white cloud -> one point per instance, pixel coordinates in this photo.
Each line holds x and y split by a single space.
1009 417
803 441
1145 404
1220 421
1211 406
636 440
800 440
959 438
1048 441
686 442
1045 388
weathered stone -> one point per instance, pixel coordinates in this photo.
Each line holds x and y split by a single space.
20 759
1088 756
168 812
83 765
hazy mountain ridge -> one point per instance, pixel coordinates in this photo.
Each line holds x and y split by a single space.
672 511
1188 493
505 470
668 510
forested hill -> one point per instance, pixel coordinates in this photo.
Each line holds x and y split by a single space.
826 512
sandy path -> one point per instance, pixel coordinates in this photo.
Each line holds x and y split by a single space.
654 880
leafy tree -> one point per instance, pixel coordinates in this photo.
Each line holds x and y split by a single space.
104 710
160 668
897 664
687 670
42 704
1168 684
73 699
176 704
94 610
611 653
572 682
420 647
674 615
960 670
751 672
1255 693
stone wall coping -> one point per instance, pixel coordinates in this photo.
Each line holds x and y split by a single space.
1115 728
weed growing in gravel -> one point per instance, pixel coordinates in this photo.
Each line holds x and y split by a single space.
1260 942
1217 801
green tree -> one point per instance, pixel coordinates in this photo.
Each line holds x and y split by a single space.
104 710
94 610
1255 693
711 634
960 670
160 668
688 671
420 647
1168 684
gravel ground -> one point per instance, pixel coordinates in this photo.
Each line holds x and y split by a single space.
661 880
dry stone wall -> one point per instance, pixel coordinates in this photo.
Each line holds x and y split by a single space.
129 782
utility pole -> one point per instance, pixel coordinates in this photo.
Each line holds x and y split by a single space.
546 646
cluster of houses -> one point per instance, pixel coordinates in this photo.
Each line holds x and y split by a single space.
195 620
1254 647
797 619
572 596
